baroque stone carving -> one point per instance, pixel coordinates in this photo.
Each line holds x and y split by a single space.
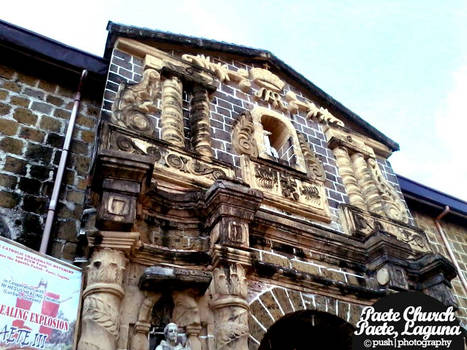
321 114
242 136
393 205
102 297
229 291
285 190
266 177
222 71
200 122
314 166
363 223
127 144
192 166
172 114
135 102
266 79
271 97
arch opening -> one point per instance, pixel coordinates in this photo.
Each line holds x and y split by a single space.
303 330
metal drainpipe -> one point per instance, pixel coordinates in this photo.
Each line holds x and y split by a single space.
61 167
448 246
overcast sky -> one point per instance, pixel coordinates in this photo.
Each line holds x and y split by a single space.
401 65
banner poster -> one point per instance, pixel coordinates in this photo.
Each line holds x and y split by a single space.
39 299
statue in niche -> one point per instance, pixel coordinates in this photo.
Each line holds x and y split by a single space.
271 151
172 339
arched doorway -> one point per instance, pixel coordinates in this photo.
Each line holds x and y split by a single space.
303 330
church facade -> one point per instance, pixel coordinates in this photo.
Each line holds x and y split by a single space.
228 195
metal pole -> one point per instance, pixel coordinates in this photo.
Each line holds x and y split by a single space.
61 168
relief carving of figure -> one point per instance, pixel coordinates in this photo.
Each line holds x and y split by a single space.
171 341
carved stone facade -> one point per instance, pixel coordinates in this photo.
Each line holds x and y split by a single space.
231 200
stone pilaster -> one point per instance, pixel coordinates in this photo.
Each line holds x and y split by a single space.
350 182
200 124
172 113
231 207
366 183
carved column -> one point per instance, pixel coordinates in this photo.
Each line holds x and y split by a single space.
172 113
367 185
102 297
231 207
200 124
350 182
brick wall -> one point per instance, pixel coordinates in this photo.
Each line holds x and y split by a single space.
457 236
34 116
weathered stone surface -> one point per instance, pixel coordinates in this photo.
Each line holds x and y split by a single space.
283 300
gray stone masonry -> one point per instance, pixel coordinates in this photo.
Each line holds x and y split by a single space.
34 117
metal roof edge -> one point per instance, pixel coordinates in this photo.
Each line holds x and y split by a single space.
51 49
427 195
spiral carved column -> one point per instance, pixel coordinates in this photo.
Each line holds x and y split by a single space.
172 112
200 124
102 297
350 182
367 185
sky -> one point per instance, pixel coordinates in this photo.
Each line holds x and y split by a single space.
401 65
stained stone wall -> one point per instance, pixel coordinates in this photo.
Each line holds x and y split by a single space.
457 236
34 114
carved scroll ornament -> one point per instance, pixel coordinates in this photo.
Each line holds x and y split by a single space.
243 136
222 71
321 114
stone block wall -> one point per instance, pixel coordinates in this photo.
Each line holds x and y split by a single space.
34 114
457 236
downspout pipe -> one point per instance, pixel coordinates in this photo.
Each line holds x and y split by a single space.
61 167
448 246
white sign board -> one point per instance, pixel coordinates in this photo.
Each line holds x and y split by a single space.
39 299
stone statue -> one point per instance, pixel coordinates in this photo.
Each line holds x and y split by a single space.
171 339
